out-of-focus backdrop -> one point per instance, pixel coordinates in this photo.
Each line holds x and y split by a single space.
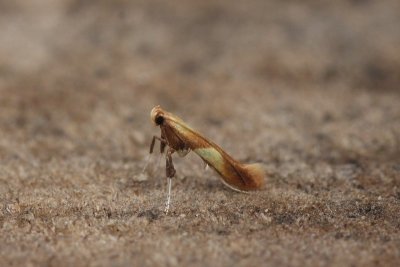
310 89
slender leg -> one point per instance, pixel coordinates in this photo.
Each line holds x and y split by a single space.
205 166
153 142
170 172
167 204
163 143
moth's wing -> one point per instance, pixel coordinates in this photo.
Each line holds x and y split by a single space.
174 137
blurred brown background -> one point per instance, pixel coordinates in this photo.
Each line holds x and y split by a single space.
308 88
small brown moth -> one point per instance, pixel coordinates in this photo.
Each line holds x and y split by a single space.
178 137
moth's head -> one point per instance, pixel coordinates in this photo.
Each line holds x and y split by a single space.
157 115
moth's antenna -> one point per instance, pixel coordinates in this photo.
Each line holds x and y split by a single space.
158 164
147 163
167 204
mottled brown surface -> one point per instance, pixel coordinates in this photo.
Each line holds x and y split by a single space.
308 88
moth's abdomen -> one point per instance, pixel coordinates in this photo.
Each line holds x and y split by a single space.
243 177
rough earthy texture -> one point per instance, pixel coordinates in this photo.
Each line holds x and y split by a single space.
308 88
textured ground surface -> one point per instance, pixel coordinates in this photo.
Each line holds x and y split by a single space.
308 88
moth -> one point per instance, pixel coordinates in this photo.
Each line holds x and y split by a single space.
177 136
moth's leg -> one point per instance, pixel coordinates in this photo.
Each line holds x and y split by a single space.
170 172
169 169
163 143
205 166
153 142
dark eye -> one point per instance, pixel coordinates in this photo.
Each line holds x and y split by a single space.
159 120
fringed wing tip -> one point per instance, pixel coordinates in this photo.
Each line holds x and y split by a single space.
256 174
